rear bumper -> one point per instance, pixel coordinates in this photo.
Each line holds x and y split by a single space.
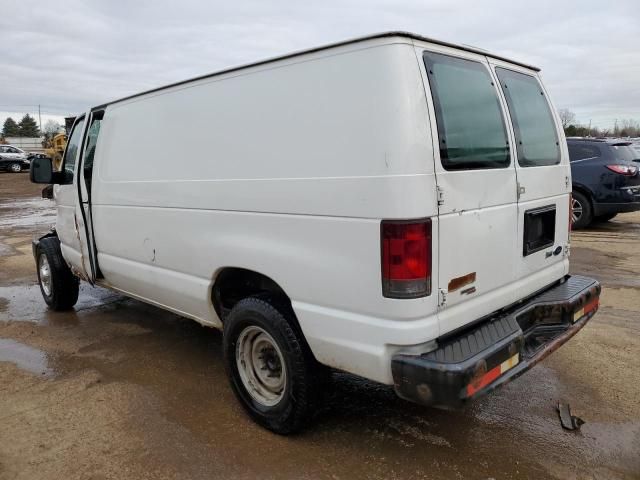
606 208
500 349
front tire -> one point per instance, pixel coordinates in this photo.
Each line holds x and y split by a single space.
15 167
582 214
58 285
271 369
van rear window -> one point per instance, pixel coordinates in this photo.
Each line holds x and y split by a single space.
471 128
536 138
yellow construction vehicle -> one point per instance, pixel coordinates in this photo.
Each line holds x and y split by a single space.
56 150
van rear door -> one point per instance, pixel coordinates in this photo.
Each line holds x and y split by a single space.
543 174
477 184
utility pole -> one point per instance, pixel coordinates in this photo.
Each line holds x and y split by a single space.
589 134
39 118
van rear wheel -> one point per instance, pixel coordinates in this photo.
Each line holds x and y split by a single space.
272 372
58 285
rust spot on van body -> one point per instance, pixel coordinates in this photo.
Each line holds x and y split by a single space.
459 282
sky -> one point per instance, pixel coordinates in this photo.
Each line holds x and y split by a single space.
75 54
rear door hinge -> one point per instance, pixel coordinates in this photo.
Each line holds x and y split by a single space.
442 297
521 190
566 181
440 193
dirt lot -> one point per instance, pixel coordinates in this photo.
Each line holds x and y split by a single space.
119 389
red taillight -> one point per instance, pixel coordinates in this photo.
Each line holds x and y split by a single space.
406 258
629 170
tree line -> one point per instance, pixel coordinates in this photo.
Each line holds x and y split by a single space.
624 128
29 128
26 128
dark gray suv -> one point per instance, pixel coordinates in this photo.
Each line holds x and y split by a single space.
605 179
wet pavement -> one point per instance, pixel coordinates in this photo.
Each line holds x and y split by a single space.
120 389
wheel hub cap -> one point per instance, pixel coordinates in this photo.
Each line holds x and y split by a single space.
261 366
45 274
576 207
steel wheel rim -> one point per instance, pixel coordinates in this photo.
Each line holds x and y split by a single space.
261 366
576 212
45 274
15 167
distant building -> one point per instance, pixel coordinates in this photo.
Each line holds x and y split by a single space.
28 144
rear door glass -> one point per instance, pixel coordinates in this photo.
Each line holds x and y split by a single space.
624 153
471 128
536 138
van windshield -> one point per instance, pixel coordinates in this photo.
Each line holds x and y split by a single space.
471 128
536 138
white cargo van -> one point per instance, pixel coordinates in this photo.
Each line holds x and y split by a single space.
391 206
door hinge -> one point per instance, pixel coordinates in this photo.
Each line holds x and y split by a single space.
442 297
440 194
521 190
566 181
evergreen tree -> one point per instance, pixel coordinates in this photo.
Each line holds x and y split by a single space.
10 128
28 127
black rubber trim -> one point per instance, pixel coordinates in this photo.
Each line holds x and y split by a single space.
531 330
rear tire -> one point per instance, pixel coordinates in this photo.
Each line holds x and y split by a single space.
582 212
604 218
14 167
58 285
271 369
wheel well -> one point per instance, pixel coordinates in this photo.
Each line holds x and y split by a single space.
584 192
233 284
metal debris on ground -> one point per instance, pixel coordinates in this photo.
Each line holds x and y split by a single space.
568 421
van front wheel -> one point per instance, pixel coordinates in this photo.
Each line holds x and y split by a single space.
59 286
272 372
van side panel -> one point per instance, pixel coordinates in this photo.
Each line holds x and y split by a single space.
286 169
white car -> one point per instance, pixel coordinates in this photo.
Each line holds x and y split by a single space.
392 206
11 152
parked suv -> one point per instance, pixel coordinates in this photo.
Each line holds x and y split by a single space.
605 179
401 212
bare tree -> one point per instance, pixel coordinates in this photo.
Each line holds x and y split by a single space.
567 117
50 129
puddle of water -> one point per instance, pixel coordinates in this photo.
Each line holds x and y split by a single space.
24 357
27 213
25 303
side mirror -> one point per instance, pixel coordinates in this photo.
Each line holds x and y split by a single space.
41 171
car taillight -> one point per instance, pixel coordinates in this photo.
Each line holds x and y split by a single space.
629 170
406 258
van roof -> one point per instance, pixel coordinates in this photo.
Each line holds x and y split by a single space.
409 35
